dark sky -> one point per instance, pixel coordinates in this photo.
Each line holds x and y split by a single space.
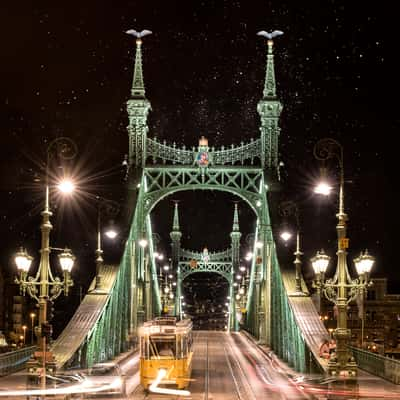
67 70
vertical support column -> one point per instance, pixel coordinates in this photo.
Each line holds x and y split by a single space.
147 297
232 310
263 252
140 287
268 248
133 327
178 300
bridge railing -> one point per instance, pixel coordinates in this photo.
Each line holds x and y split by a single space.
14 360
376 364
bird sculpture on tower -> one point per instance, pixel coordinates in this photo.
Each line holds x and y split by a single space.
270 35
138 34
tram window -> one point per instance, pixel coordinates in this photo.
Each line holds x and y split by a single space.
143 351
162 346
182 345
189 342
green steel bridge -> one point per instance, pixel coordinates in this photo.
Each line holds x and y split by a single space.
126 295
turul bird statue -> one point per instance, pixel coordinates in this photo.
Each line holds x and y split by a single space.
138 34
270 35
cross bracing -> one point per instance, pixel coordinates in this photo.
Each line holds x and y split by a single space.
222 268
162 181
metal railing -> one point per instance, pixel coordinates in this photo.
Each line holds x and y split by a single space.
376 364
15 360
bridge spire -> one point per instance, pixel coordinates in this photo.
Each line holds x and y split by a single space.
137 90
269 108
235 239
235 227
175 236
138 108
175 225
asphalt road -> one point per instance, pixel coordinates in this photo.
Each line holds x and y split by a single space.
232 367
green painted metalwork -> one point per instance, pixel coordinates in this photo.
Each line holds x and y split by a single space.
138 108
163 153
166 180
222 263
377 364
224 255
176 236
157 170
222 268
269 108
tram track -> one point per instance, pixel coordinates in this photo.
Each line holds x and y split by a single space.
207 372
220 360
242 385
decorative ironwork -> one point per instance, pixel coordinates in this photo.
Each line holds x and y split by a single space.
162 181
214 256
163 153
221 268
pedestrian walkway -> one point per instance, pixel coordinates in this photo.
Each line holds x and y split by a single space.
367 385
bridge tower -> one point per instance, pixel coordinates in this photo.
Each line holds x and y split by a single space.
138 108
269 109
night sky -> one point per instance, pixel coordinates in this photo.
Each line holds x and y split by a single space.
67 71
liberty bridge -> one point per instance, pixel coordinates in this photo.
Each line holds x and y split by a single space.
279 324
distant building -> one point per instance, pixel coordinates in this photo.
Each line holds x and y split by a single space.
15 312
381 315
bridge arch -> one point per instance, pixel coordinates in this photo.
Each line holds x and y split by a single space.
152 199
247 183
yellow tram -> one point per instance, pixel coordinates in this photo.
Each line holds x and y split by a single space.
166 344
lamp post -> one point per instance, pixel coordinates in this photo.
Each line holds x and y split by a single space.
24 327
38 286
32 315
341 289
288 208
363 263
111 209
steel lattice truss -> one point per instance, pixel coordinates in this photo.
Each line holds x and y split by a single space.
221 268
162 181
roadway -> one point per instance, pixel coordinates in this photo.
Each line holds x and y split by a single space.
232 367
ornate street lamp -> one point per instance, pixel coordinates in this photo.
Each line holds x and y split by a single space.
109 208
341 289
38 286
288 208
24 328
363 263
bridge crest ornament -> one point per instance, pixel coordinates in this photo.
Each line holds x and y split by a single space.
205 257
203 157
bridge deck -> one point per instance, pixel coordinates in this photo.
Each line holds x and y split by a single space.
84 318
307 317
